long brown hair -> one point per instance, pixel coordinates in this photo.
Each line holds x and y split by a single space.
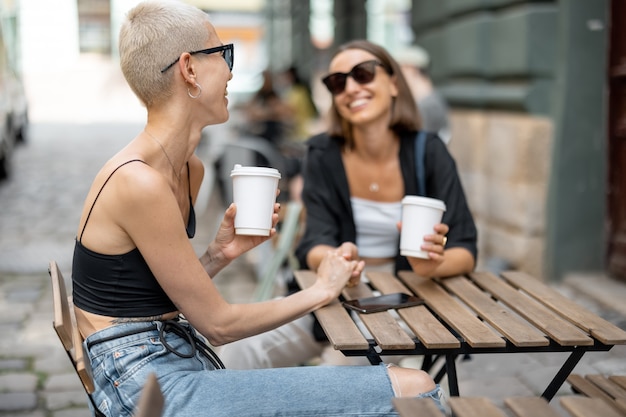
404 114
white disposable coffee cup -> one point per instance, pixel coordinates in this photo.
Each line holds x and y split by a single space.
419 217
254 193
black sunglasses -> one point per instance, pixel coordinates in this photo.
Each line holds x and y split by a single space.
362 73
226 50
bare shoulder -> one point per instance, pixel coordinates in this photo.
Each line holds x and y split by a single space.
136 182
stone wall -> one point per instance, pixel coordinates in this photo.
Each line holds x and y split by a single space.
504 162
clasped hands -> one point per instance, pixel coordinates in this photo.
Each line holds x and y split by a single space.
434 244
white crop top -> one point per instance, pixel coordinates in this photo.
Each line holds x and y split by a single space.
377 233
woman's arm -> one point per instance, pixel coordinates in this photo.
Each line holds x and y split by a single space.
228 245
443 182
152 219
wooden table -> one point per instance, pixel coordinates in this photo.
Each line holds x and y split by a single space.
473 314
576 406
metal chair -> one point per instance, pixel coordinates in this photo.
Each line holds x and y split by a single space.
246 151
286 238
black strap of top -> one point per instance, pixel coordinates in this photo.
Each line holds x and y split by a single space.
98 195
191 222
420 152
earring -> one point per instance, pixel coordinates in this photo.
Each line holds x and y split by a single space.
199 91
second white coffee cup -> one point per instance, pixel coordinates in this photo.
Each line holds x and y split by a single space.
419 217
254 193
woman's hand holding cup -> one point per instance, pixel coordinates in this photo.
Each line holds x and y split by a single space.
232 245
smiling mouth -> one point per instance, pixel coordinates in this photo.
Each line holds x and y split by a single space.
358 102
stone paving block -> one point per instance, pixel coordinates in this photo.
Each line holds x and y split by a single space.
13 364
55 362
64 399
538 379
40 348
63 382
494 388
27 414
15 401
494 364
73 412
14 312
611 366
18 382
38 330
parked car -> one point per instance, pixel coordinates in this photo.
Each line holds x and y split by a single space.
13 110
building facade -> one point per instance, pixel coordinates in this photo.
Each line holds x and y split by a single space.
527 82
532 88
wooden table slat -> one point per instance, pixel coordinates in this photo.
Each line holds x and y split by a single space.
428 329
580 384
607 385
575 406
386 283
619 380
386 331
342 333
475 332
585 407
530 407
416 407
595 325
383 327
516 330
420 320
546 320
474 407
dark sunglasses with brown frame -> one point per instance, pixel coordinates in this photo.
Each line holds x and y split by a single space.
362 73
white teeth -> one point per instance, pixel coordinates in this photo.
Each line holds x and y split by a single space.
358 102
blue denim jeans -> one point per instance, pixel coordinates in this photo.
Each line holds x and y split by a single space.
192 386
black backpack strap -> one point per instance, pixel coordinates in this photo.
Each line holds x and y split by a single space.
420 171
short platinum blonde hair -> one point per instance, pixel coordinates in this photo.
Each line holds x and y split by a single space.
152 36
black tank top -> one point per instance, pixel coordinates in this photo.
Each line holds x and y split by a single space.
119 285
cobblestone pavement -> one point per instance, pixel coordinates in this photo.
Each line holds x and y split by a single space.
39 210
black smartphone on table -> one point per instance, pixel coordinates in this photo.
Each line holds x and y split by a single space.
383 302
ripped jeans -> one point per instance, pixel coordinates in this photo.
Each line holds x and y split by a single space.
122 357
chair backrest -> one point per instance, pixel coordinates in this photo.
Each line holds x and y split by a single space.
244 151
64 323
151 400
286 238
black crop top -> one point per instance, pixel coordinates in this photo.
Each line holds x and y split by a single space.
119 285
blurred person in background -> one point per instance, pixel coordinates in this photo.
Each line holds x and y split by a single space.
145 303
303 114
415 63
299 98
267 114
355 176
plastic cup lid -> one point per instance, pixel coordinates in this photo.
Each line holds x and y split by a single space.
242 170
424 201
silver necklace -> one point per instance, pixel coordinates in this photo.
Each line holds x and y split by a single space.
165 153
